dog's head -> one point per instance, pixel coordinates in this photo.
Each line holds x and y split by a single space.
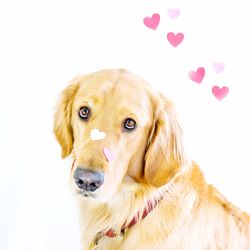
119 131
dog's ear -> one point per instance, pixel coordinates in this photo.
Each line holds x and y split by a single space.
62 119
165 153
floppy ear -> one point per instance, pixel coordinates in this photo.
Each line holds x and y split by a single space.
165 154
62 119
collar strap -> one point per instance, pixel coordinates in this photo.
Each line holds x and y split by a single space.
149 208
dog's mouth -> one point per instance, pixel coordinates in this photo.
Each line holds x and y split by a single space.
85 194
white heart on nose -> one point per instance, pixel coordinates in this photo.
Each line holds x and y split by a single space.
96 134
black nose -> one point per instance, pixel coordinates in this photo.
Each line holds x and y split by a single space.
88 180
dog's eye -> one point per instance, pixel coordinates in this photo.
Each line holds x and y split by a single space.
129 124
84 113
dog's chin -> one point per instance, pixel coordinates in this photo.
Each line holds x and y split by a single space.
97 196
84 194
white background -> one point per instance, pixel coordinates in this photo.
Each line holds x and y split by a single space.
46 43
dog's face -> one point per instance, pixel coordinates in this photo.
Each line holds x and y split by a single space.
119 131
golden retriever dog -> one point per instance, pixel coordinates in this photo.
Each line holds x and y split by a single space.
135 187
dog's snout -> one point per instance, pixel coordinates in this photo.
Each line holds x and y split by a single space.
88 180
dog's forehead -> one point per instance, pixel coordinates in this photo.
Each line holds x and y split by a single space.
118 84
110 79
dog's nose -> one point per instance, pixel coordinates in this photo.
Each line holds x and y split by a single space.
88 180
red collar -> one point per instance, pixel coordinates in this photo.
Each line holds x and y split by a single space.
111 232
149 208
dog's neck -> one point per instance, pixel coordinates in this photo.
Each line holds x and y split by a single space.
111 233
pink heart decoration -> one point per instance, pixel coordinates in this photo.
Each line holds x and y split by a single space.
173 14
220 93
152 22
175 39
218 67
198 75
109 155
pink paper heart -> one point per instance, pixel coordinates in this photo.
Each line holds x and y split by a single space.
175 39
109 155
218 67
152 22
220 93
198 75
173 14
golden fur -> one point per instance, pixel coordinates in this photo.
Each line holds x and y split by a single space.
149 163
